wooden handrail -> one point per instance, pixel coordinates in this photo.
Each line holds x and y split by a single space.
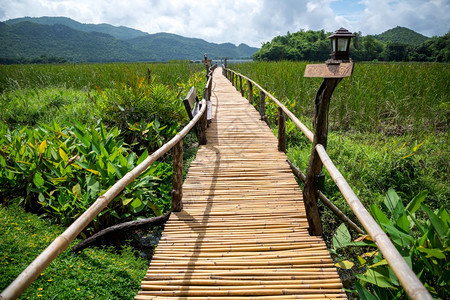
21 283
408 279
308 133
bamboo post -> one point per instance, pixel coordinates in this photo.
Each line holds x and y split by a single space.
262 104
240 86
202 125
262 107
250 92
177 179
281 130
310 190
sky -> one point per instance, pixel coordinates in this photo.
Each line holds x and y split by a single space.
244 21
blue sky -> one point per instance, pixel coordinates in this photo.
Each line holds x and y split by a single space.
244 21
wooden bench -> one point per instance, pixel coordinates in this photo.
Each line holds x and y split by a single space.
191 103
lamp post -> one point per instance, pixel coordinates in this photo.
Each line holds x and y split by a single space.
336 68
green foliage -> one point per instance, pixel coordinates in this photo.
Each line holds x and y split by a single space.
61 171
423 241
92 274
398 44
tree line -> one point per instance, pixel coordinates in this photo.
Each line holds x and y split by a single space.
314 46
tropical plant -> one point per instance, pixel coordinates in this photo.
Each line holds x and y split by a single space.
420 236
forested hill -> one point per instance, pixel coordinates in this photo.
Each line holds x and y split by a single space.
398 44
119 32
401 35
25 39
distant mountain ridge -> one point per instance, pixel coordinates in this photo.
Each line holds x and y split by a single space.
119 32
63 37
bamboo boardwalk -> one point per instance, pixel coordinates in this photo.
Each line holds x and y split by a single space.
242 233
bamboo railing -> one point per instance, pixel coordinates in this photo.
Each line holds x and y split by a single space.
408 279
24 280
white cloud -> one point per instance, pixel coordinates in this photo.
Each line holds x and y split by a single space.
243 21
427 17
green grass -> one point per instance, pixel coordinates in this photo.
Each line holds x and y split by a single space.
87 76
393 98
92 274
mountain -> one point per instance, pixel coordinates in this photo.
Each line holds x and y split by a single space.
119 32
402 35
65 38
29 40
171 46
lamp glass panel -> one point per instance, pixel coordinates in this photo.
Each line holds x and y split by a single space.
342 44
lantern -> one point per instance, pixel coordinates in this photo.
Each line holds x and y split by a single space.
340 45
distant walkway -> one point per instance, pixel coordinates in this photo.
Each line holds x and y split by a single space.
243 232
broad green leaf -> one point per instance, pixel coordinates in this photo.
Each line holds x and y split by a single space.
363 293
403 223
437 253
2 161
136 203
38 180
375 277
341 236
123 161
443 215
391 199
440 227
116 169
143 157
414 205
83 138
398 237
131 158
379 216
346 264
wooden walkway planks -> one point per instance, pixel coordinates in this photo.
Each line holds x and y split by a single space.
243 232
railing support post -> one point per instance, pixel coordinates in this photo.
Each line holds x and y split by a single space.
240 86
202 125
310 190
232 79
281 130
250 92
262 106
177 179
